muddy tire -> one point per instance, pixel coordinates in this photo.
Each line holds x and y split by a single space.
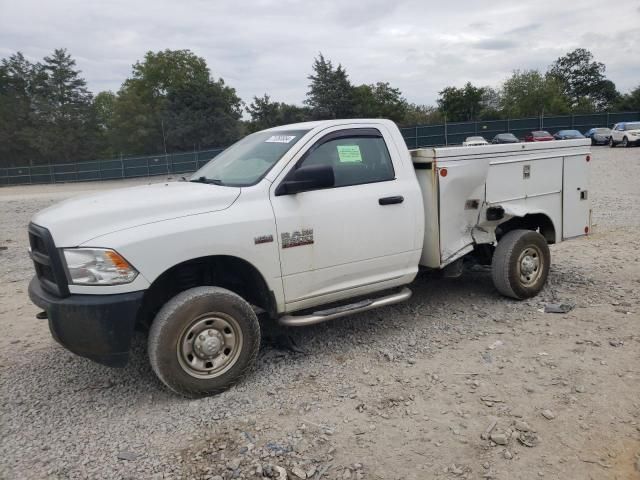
203 341
520 265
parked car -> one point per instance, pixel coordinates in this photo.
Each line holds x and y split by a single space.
538 136
567 135
474 141
598 136
505 138
625 134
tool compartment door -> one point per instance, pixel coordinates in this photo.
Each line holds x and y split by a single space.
576 204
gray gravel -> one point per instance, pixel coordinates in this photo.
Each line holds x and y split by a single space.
400 392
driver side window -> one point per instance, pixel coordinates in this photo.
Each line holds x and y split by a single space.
355 160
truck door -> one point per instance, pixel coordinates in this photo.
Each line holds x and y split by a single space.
576 205
359 232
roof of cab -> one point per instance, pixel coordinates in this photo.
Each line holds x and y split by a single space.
328 123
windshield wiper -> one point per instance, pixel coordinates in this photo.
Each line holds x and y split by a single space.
212 181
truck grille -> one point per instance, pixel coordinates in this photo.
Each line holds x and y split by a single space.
47 261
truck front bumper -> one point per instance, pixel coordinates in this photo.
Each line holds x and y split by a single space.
99 327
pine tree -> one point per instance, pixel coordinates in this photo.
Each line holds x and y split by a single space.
16 112
330 93
63 109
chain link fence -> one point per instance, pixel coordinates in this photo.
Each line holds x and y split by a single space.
126 167
455 133
182 163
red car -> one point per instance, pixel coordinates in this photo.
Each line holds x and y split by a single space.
538 136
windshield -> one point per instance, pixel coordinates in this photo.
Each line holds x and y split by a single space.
632 126
506 135
245 162
541 133
475 139
602 130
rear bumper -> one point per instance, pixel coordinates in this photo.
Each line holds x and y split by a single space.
98 327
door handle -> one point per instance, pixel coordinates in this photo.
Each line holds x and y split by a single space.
391 200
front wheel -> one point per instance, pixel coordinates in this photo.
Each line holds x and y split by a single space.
611 142
203 340
521 263
625 142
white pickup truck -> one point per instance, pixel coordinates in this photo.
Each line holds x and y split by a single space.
301 223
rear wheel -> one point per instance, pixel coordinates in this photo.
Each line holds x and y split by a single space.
520 265
611 142
203 340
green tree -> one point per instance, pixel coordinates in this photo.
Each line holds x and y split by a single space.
63 109
265 113
630 102
17 120
168 87
330 93
461 104
581 77
103 110
490 104
379 100
421 115
202 115
528 93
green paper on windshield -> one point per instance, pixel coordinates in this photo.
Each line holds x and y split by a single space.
349 153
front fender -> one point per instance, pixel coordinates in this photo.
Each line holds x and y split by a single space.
154 248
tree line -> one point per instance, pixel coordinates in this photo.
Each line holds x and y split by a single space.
171 102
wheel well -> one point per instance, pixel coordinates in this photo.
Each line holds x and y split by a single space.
228 272
534 221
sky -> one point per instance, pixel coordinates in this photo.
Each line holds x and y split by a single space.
265 46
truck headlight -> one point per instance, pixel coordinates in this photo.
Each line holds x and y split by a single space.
98 266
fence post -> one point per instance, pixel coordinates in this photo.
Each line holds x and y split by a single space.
608 120
572 120
416 141
508 125
446 137
121 166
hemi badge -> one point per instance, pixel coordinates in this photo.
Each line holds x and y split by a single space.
263 239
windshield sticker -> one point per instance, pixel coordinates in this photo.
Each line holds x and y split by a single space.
349 153
280 139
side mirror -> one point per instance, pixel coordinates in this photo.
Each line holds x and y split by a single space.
311 177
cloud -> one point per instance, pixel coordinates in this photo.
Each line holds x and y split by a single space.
496 44
261 46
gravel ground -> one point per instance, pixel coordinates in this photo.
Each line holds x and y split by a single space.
456 383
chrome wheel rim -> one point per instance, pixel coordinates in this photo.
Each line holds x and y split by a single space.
530 265
210 345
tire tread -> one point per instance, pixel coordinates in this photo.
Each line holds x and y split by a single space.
164 318
501 267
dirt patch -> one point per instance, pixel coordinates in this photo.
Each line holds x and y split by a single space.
459 382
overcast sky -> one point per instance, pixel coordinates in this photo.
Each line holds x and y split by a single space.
260 46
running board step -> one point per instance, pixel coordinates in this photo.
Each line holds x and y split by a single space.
344 310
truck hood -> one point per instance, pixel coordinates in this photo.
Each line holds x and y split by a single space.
80 219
